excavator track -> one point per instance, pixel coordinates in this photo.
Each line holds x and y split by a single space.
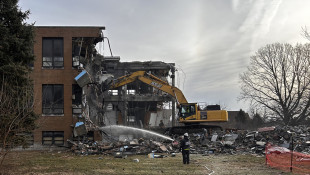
195 128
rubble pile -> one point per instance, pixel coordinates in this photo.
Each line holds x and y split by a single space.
253 141
206 142
122 148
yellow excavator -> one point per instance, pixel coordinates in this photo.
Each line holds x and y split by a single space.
189 113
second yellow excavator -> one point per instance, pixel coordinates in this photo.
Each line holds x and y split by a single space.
189 113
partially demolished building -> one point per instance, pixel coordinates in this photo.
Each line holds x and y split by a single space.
69 110
133 104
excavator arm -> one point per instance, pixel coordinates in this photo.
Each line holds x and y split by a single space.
152 81
189 113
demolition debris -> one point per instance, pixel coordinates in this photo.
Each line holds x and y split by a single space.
122 144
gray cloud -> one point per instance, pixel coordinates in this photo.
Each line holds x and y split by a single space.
210 41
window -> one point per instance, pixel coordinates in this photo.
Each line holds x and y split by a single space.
52 99
109 107
29 138
187 110
131 119
52 138
76 94
113 92
53 53
76 99
131 92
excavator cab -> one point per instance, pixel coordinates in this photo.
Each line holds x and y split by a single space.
188 111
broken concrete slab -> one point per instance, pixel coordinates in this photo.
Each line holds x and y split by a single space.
83 78
79 129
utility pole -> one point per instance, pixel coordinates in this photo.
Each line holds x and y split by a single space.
292 150
173 99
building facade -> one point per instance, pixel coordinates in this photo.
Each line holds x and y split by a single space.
53 75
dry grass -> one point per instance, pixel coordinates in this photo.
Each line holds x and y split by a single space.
35 162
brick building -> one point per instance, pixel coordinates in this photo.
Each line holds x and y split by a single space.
53 76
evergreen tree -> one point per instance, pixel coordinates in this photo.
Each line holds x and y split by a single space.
16 88
257 120
241 117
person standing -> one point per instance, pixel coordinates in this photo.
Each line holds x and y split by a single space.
161 124
184 147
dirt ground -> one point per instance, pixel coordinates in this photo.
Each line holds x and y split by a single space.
40 162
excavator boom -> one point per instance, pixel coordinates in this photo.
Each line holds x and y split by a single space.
152 81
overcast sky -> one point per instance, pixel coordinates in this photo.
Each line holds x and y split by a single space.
210 41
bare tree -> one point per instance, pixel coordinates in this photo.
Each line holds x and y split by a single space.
305 33
278 80
17 115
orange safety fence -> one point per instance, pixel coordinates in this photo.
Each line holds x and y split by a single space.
287 160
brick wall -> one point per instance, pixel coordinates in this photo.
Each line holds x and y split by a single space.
63 76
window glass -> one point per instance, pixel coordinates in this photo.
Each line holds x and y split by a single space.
192 109
58 95
47 47
47 96
29 138
52 137
58 59
58 64
187 110
47 58
47 64
52 99
58 47
52 53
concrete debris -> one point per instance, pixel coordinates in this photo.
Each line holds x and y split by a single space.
136 160
225 142
79 129
83 78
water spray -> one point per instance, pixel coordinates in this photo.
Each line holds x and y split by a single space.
127 128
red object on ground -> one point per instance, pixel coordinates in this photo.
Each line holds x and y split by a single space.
285 159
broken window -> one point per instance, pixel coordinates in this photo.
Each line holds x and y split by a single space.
76 99
52 138
83 48
76 94
77 44
52 99
53 53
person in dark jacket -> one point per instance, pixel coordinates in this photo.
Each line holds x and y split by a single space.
184 147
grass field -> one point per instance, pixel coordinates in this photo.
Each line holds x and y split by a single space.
36 162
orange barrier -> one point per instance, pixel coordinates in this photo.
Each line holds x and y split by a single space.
287 160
